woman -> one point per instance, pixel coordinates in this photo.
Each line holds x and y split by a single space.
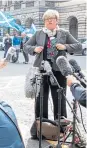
48 44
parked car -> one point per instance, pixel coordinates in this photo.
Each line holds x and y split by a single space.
84 48
83 41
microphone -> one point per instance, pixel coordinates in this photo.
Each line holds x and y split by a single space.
64 66
77 68
48 69
32 83
66 69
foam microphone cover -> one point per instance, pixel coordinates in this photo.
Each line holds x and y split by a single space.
30 83
75 65
64 66
47 67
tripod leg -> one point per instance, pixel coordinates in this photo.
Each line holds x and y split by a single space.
41 111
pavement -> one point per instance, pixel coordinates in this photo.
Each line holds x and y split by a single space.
12 91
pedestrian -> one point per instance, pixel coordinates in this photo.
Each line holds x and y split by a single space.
25 38
17 44
47 44
7 43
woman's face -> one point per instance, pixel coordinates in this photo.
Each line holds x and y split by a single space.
50 23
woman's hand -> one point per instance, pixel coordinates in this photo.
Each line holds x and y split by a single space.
60 47
38 49
3 63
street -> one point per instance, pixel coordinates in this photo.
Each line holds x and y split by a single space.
12 81
18 69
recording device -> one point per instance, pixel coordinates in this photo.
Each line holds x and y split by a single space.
66 69
45 66
77 68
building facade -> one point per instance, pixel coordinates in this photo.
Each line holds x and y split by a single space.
72 13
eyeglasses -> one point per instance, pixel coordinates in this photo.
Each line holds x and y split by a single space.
52 19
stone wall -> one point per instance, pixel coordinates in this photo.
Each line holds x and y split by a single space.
79 12
67 10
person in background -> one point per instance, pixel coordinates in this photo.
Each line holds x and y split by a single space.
17 43
7 43
77 90
25 38
47 44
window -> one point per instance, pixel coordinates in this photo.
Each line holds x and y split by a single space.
17 5
29 3
0 3
50 3
9 3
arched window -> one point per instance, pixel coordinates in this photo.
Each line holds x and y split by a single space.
17 5
73 27
28 22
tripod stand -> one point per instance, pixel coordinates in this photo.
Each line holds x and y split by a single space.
73 132
60 94
41 110
40 90
41 106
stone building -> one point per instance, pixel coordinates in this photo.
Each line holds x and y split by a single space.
72 13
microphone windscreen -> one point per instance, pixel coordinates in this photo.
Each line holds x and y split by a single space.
64 66
30 83
75 65
47 66
29 89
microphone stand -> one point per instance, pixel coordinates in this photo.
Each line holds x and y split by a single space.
74 122
41 110
41 103
60 94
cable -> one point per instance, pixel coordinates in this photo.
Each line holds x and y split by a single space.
82 118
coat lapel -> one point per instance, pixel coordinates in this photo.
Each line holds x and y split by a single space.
42 38
58 36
